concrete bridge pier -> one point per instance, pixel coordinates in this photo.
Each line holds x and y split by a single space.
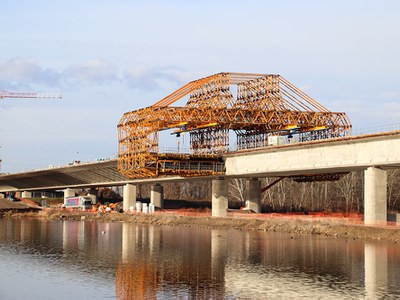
129 197
375 196
157 196
68 192
253 197
26 195
219 201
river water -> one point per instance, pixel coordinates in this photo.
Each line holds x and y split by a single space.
88 260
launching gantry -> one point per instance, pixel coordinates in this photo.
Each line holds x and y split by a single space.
256 107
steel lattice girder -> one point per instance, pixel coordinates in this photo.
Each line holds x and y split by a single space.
265 104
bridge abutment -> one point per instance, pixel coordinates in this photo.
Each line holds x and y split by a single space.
157 196
253 197
219 201
129 197
375 196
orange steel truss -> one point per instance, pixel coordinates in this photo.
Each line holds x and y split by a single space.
256 107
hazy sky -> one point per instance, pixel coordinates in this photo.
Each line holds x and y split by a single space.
110 57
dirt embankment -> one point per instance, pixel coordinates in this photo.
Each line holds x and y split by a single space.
339 227
11 207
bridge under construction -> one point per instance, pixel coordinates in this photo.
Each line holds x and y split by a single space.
258 108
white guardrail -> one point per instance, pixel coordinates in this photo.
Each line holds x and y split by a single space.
379 129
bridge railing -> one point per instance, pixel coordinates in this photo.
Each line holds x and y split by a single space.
378 129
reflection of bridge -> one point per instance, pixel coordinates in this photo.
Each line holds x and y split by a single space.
238 264
372 153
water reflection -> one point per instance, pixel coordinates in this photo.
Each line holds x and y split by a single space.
164 262
376 270
249 264
129 261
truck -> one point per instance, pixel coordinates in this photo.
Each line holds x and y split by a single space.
79 202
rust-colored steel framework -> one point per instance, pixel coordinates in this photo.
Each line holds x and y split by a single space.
256 107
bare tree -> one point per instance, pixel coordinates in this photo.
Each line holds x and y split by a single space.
350 187
393 188
237 190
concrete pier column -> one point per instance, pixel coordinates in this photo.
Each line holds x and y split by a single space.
253 196
93 193
68 192
129 197
157 196
219 201
375 196
26 195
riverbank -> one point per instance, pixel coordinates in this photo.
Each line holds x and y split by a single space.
335 226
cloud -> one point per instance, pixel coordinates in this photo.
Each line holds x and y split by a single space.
26 72
147 79
92 71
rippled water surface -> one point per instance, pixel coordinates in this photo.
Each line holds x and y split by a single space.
88 260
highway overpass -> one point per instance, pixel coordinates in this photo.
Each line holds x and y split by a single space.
373 153
86 175
316 157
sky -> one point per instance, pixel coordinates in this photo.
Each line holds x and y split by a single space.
110 57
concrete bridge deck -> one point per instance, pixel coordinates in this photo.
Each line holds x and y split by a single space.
373 153
324 156
316 157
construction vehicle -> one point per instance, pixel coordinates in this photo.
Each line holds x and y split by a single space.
79 202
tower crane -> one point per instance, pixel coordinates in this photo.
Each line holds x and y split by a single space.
5 94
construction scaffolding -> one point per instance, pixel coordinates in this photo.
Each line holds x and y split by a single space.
258 108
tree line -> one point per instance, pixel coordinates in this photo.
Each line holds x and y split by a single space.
343 195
